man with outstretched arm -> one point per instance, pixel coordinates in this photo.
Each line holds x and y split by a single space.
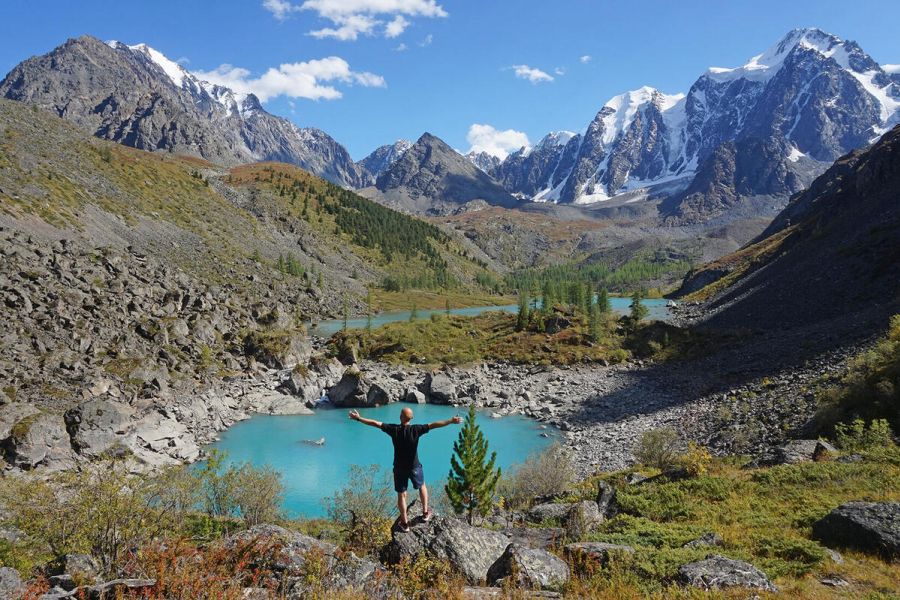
406 457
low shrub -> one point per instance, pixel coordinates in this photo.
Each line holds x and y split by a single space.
546 473
858 436
658 448
363 509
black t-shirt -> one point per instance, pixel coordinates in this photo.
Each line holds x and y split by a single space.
406 444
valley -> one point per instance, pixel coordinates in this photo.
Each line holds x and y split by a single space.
678 329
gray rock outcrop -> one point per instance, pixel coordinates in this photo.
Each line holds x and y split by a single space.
867 526
529 568
11 585
718 572
469 550
96 425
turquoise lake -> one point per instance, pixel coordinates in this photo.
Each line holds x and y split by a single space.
657 306
313 473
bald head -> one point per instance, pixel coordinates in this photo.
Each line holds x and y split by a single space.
406 415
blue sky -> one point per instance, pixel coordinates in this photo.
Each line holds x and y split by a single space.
445 65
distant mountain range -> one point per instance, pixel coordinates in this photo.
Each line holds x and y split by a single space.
752 134
763 128
136 96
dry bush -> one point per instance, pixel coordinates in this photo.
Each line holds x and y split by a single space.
543 474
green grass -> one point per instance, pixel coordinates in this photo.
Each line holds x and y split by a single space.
457 340
765 517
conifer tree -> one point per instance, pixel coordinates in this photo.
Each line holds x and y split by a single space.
522 317
413 314
595 330
603 301
638 310
472 480
447 307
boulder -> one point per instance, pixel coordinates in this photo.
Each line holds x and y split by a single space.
97 425
486 593
343 570
583 518
598 553
10 414
39 439
377 396
469 550
355 390
867 526
797 451
302 383
556 323
548 511
11 585
707 540
278 348
82 568
414 396
442 389
275 403
528 568
606 499
718 572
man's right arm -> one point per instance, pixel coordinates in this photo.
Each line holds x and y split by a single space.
437 424
354 415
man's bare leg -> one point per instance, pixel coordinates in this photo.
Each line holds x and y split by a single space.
401 506
423 496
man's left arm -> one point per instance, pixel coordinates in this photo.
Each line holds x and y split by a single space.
444 423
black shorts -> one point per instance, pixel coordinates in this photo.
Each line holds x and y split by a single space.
403 477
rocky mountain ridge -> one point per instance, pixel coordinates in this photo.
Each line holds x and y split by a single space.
783 99
849 221
431 178
136 96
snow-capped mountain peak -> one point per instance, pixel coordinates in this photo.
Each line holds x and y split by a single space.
783 97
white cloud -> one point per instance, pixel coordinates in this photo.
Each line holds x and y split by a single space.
401 48
585 59
312 79
280 8
559 71
396 27
426 41
484 138
350 28
531 74
353 18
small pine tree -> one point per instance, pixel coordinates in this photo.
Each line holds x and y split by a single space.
447 307
638 310
603 303
547 298
413 314
369 310
281 265
523 316
472 480
595 330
